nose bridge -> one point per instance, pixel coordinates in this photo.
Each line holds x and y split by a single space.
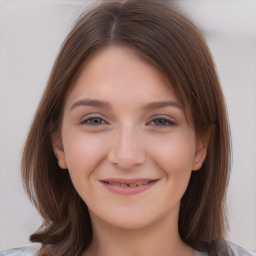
127 150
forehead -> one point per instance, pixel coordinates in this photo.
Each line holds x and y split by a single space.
122 70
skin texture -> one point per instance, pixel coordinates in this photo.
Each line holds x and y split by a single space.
126 139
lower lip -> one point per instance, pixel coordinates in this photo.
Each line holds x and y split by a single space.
128 190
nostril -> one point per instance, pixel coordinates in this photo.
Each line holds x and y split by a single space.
126 150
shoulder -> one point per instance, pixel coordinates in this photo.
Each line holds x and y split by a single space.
22 251
238 251
223 247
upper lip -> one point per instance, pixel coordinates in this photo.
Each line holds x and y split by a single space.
128 181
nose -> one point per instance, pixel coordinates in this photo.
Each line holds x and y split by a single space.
126 149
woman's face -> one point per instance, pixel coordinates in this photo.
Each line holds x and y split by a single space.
125 140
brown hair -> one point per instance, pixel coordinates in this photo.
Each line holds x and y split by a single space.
176 47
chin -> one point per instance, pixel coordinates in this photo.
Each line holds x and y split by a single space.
130 223
128 218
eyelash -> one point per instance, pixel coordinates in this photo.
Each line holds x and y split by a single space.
89 121
168 122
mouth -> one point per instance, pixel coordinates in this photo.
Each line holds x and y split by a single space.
131 185
128 186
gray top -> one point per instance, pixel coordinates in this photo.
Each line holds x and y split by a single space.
216 248
23 251
222 247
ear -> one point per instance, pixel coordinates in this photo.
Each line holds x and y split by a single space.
201 152
58 149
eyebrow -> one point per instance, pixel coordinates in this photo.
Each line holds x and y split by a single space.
161 104
106 105
91 102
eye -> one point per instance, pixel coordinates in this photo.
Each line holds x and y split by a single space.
163 122
95 121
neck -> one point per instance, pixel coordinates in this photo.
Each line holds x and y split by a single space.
159 238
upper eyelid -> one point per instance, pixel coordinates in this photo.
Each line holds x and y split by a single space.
163 118
92 117
152 118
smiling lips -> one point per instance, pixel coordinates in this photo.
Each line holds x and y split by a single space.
128 186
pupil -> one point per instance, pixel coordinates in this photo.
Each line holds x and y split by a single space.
160 122
96 121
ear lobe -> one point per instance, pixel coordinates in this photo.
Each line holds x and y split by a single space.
199 158
200 155
58 149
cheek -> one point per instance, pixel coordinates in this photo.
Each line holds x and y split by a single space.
173 153
83 152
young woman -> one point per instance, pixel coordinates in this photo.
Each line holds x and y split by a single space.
129 150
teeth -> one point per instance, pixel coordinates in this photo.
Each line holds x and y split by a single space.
128 185
142 183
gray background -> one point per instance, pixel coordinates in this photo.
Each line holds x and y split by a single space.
31 33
